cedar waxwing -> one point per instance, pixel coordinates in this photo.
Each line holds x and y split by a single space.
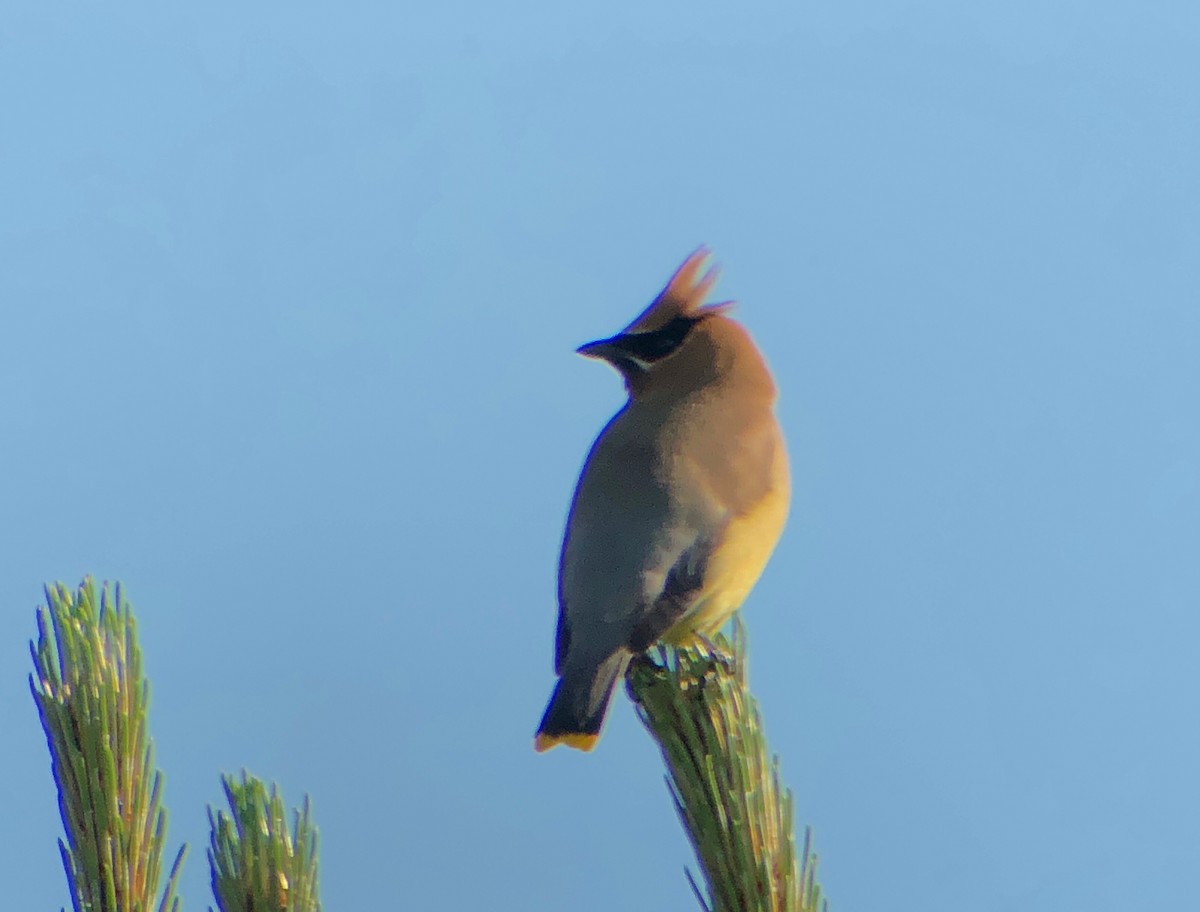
679 504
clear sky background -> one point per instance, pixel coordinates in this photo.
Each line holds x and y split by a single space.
288 300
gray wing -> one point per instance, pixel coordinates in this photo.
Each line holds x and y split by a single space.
632 553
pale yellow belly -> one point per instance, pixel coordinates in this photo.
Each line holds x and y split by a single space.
733 568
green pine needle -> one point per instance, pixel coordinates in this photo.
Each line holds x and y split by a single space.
257 864
696 703
92 697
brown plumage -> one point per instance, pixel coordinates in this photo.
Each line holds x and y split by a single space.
679 504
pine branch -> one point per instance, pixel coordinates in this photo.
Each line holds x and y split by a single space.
92 697
257 864
696 704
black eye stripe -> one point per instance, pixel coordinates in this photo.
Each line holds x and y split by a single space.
656 345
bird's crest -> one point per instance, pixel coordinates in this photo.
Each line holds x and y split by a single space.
683 296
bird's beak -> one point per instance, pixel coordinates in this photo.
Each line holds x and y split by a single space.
602 349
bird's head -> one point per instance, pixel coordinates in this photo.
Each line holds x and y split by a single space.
678 343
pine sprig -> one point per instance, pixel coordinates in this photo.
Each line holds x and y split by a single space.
257 865
697 705
92 697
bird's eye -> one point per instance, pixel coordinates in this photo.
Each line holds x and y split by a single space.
654 346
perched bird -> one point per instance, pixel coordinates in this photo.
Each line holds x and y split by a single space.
679 504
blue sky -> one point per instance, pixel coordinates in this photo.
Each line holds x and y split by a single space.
288 303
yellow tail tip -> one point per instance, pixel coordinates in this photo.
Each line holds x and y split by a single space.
577 740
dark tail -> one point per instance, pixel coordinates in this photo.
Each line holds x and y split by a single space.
579 704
